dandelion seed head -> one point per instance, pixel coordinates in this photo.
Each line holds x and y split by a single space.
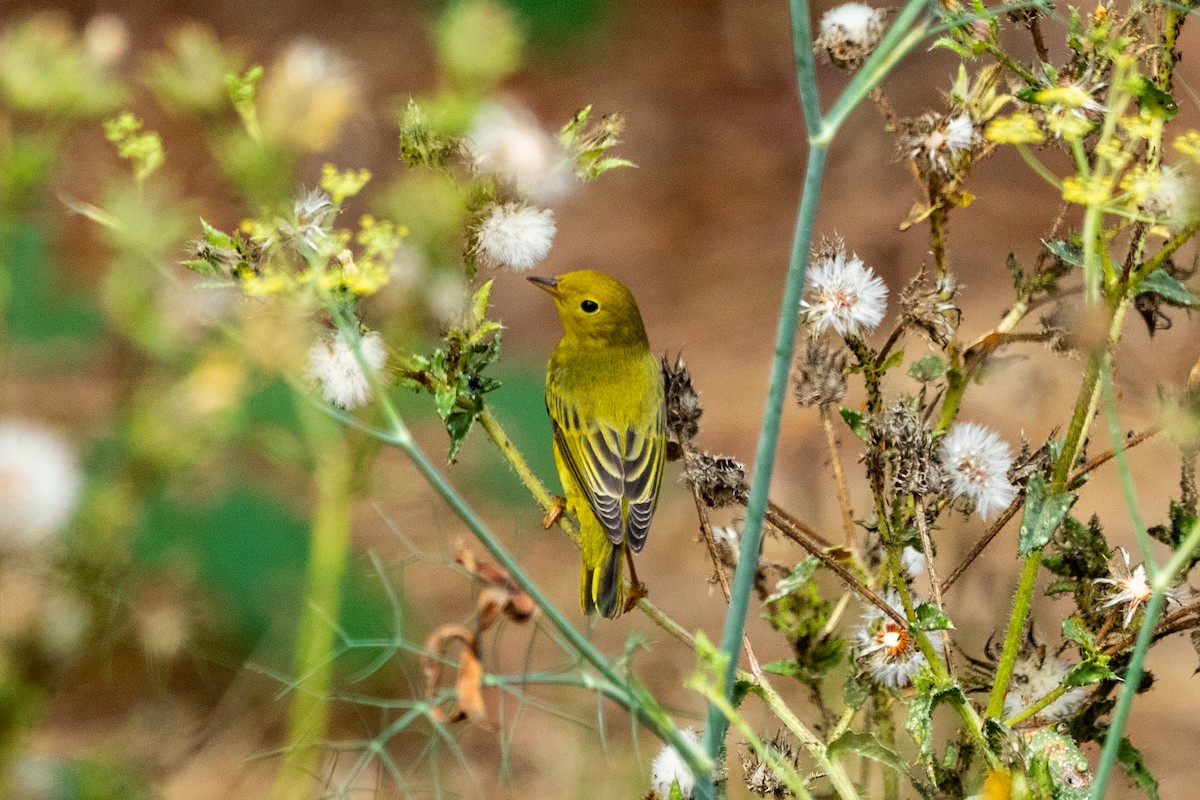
938 142
669 768
844 294
849 33
886 649
331 362
40 483
977 461
1036 673
516 236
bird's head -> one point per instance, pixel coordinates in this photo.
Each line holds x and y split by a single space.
595 309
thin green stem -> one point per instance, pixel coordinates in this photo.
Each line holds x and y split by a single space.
1122 462
764 462
1012 638
838 777
1133 677
905 33
329 545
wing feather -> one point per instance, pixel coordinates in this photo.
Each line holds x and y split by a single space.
618 469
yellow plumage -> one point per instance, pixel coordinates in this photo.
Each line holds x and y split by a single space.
604 394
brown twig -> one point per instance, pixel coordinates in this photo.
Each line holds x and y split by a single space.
832 564
1131 441
839 479
979 547
927 546
781 519
1171 623
719 566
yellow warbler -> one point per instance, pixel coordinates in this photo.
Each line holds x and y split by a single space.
604 393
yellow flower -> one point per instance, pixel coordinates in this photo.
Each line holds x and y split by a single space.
1019 128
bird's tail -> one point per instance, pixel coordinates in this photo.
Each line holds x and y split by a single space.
601 586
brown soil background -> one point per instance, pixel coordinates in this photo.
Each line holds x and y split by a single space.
701 233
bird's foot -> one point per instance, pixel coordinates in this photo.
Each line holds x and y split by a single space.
634 593
555 513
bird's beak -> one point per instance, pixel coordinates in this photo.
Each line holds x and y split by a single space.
549 284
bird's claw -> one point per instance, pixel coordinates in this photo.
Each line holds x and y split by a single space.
555 513
636 592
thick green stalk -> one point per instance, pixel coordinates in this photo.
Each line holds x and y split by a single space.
1133 677
328 548
764 461
1085 409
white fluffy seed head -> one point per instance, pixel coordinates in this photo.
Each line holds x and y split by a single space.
669 768
1036 673
843 294
886 649
516 236
977 461
849 33
332 363
40 482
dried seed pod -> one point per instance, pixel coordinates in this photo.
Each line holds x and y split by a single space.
719 480
820 375
683 406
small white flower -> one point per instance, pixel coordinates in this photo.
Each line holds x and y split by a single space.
977 462
1131 587
887 649
844 294
669 768
331 361
938 142
508 142
40 482
1036 673
516 236
849 32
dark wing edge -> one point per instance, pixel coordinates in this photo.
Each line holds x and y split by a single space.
599 472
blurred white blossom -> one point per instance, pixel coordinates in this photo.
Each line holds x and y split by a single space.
331 361
507 141
40 482
669 768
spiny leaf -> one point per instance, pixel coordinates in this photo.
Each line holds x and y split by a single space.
1044 512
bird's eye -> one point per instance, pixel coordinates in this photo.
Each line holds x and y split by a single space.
590 306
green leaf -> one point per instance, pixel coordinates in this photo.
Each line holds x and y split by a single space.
1074 630
854 419
867 746
894 359
479 305
1088 672
855 692
787 668
795 580
1130 759
1044 512
929 618
1067 252
1160 283
458 425
927 369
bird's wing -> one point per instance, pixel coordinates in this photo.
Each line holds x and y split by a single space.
644 451
612 464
